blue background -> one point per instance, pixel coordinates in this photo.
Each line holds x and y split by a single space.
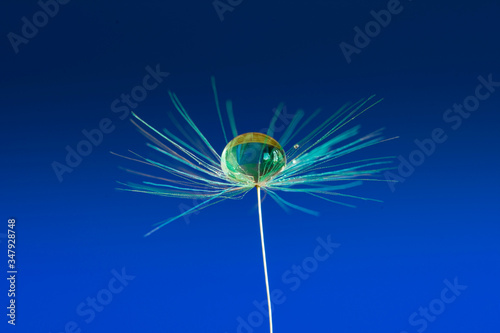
201 274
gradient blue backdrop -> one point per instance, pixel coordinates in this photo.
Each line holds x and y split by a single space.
441 223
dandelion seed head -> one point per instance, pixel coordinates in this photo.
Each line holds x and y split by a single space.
189 167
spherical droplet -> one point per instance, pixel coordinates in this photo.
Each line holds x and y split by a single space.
296 146
252 158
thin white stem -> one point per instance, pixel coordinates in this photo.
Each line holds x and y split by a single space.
265 262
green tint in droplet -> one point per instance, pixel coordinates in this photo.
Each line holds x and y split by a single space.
252 158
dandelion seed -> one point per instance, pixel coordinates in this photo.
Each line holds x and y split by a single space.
259 160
